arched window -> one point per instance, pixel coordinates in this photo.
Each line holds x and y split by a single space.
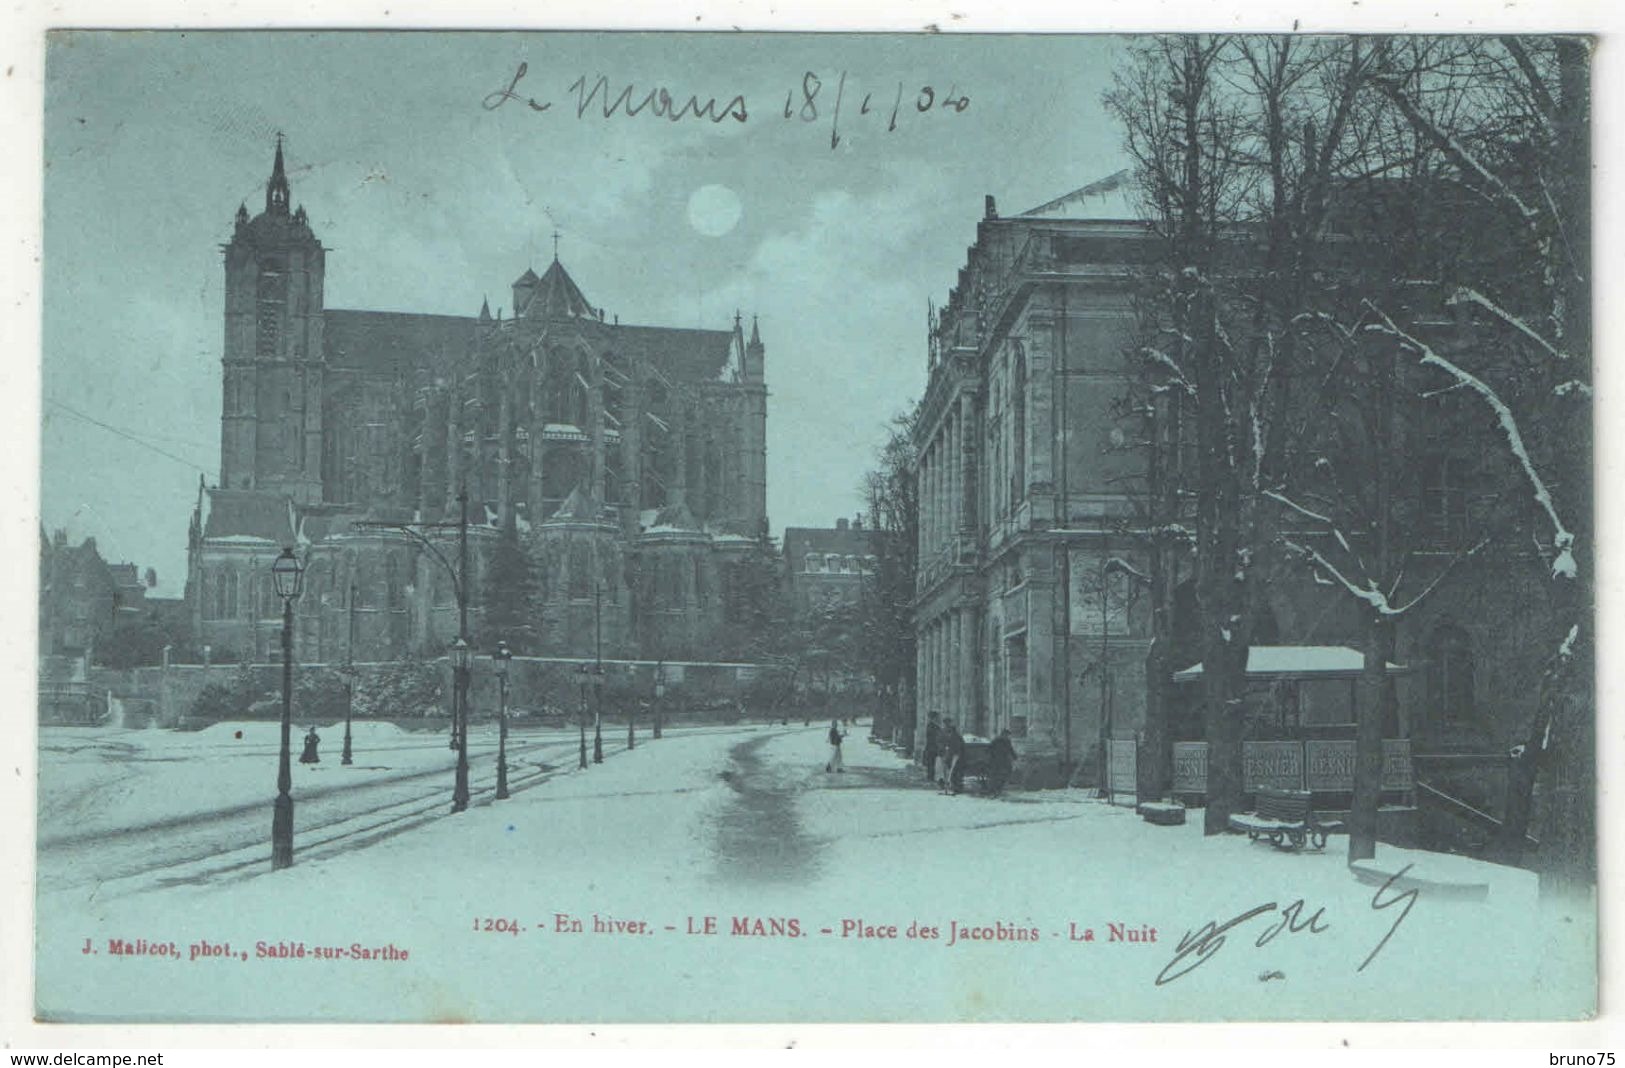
395 591
1450 675
580 571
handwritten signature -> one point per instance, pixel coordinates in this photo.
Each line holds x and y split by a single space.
1197 947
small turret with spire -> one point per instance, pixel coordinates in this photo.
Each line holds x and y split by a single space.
755 371
276 190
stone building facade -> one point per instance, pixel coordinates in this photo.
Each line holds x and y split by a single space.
630 460
1031 609
825 566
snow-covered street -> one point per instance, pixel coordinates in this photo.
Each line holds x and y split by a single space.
720 874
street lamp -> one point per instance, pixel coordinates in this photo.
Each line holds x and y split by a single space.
598 673
660 693
581 716
502 656
460 654
349 679
288 576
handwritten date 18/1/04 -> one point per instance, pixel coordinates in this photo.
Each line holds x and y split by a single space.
806 108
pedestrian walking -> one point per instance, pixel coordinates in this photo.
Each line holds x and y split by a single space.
953 758
933 743
835 736
1001 758
310 756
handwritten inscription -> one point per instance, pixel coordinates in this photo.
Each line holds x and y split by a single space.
810 101
1197 947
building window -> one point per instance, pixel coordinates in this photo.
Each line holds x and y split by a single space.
1450 676
813 563
1444 499
580 571
832 563
395 591
270 299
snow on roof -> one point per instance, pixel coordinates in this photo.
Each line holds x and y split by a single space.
1297 661
1114 197
241 539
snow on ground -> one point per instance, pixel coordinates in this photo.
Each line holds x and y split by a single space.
743 824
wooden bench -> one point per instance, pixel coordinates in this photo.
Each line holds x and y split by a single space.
1285 818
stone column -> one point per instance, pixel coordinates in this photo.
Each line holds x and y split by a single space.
925 502
968 462
454 446
538 419
700 505
595 415
1042 711
969 661
921 709
504 448
632 441
1041 422
677 492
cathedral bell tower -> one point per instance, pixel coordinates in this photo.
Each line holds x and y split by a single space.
271 408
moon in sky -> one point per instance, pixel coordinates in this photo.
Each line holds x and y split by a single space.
714 210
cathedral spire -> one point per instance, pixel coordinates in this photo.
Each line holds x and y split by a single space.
755 334
276 190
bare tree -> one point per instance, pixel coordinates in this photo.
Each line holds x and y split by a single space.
1509 118
886 604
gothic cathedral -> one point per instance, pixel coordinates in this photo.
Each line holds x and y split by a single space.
628 462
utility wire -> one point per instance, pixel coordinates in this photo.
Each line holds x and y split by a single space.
127 435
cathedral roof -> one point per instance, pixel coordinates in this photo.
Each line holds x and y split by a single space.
394 342
249 515
554 295
687 355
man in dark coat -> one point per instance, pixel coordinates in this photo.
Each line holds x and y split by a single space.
310 756
933 742
953 744
1001 757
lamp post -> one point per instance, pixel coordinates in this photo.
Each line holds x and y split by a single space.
598 673
349 680
460 654
288 576
419 533
660 693
581 716
502 656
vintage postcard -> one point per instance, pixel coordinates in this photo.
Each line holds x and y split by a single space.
593 527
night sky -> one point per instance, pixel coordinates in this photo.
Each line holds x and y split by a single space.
430 201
